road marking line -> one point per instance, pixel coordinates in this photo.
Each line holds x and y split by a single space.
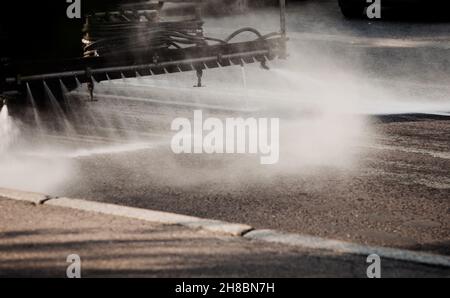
435 154
347 247
375 42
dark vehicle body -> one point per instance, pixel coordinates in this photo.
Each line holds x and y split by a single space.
35 29
31 29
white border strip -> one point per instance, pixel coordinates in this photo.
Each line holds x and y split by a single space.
347 247
152 216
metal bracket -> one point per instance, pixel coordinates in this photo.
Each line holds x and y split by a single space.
199 78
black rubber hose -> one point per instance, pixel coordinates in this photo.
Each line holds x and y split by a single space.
240 31
104 38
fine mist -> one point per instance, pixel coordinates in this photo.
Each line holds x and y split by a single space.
325 95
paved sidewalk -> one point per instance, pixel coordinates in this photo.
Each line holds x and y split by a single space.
36 240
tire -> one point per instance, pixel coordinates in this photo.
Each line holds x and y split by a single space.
350 9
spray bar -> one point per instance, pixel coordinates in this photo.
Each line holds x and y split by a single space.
89 72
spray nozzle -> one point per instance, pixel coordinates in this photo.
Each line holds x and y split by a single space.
2 102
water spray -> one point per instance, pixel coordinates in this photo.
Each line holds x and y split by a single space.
8 130
2 102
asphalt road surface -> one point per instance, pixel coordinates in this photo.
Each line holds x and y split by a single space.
365 136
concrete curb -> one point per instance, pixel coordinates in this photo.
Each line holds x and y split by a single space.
216 226
152 216
31 197
318 243
232 229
